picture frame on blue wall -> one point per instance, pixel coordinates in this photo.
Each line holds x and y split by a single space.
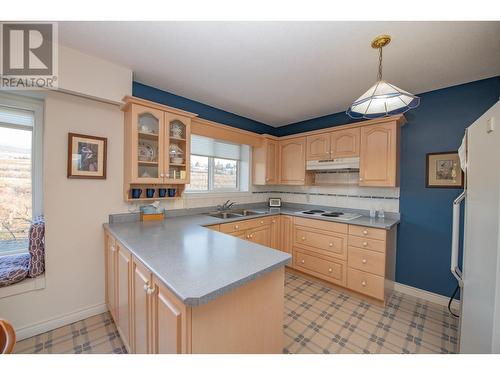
443 170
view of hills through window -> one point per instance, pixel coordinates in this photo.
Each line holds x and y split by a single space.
15 188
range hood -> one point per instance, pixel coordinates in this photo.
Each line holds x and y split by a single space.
333 164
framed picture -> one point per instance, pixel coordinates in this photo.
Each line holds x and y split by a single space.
444 171
86 156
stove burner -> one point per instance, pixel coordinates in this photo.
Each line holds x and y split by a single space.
309 212
337 213
316 211
331 214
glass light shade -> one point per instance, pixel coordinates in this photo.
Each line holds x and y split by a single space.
382 99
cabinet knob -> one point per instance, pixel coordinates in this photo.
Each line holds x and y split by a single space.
330 244
329 270
365 232
262 221
162 174
303 238
146 287
363 283
267 179
302 261
363 261
365 243
236 227
150 291
113 248
250 236
361 179
274 221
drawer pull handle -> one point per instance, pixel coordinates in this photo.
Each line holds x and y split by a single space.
302 261
330 244
329 270
365 244
236 227
363 261
303 238
363 283
365 232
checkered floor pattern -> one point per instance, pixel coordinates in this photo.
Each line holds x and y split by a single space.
318 319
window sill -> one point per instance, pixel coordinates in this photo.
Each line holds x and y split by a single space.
25 286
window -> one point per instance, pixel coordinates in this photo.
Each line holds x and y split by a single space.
20 171
218 166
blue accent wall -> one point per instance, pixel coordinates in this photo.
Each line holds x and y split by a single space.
438 124
204 111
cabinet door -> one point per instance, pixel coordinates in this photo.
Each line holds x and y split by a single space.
293 161
168 321
123 274
111 275
378 155
141 309
286 234
275 232
146 129
177 145
345 143
318 147
272 162
260 235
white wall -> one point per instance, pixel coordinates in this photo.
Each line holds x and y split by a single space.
75 211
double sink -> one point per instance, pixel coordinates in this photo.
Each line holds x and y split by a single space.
231 214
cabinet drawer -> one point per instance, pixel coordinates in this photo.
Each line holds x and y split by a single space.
374 233
321 224
327 243
365 283
367 243
366 260
330 270
245 224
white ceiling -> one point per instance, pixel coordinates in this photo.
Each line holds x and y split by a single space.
283 72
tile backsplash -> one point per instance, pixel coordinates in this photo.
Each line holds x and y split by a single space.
337 190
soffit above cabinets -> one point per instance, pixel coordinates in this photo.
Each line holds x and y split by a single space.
284 72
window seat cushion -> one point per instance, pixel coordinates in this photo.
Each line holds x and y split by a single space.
13 268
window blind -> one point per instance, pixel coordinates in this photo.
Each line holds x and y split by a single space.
204 146
15 116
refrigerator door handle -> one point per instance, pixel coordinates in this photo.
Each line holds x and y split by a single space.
455 238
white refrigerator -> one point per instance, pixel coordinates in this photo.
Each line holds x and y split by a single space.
479 273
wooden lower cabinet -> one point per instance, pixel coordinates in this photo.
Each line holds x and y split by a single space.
123 281
151 319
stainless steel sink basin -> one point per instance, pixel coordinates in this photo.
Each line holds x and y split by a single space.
224 215
234 213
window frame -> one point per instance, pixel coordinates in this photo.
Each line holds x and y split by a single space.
37 107
211 177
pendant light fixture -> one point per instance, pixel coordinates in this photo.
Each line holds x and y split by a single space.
382 99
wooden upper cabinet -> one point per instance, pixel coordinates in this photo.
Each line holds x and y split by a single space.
345 143
144 151
293 161
379 153
318 147
265 160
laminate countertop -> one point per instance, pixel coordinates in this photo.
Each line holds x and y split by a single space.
198 264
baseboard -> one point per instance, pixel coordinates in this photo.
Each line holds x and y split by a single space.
425 295
59 321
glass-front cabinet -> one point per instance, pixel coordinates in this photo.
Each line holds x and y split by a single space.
157 141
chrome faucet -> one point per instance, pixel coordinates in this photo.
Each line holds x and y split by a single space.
225 206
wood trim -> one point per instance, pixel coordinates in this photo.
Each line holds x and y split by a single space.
128 100
400 119
228 133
